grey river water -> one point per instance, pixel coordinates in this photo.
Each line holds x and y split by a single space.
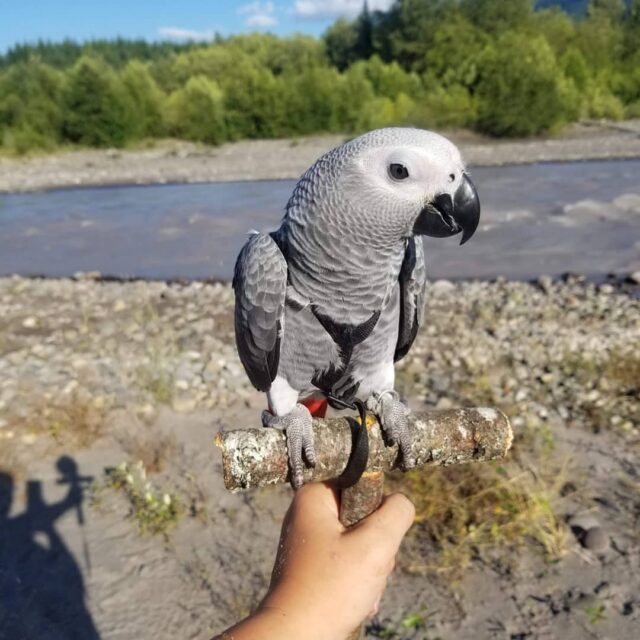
550 218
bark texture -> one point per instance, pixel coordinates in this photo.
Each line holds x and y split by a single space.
254 458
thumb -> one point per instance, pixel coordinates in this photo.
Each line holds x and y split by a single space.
386 526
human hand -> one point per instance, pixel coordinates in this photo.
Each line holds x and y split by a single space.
328 579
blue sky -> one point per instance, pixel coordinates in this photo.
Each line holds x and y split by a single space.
30 20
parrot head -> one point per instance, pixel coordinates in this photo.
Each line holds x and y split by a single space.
412 180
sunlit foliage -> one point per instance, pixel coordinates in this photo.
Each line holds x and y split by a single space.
514 68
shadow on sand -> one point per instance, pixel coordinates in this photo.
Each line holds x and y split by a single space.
42 592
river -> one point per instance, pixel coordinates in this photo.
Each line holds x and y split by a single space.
548 218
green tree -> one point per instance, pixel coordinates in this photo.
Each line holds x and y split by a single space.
145 98
406 34
311 100
196 111
389 80
612 9
254 102
495 16
522 91
97 110
30 105
341 40
453 58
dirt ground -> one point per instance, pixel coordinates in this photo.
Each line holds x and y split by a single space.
89 550
102 578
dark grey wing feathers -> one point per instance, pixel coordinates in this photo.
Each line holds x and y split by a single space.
260 283
412 287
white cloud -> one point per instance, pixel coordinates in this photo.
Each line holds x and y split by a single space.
259 14
177 33
333 8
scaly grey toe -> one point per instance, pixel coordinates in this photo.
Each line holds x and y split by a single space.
393 417
297 425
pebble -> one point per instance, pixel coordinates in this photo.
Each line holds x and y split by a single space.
184 404
596 539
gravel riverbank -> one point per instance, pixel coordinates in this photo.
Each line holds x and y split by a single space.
108 373
171 162
140 344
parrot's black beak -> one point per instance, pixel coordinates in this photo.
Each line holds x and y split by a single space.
445 216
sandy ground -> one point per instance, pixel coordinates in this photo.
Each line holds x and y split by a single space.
96 374
278 159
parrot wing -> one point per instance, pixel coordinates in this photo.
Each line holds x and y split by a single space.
412 288
260 283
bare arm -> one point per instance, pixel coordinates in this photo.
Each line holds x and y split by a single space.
327 579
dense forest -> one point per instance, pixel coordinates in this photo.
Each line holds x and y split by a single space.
502 68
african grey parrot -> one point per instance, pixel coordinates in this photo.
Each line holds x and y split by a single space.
329 301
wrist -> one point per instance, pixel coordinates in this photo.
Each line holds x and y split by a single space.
296 617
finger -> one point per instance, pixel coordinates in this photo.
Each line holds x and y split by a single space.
388 525
317 501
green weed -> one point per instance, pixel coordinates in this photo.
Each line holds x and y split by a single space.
154 511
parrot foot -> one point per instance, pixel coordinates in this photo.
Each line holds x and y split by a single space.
297 425
393 417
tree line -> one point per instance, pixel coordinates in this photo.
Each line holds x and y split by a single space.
501 68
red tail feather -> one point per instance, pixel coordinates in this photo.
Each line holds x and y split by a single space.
317 406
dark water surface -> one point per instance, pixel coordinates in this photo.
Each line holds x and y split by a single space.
537 219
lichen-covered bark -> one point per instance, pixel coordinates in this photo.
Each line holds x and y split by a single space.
258 457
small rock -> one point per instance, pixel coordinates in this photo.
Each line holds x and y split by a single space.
184 405
442 286
521 395
30 322
545 283
444 403
120 305
183 385
635 277
583 522
596 540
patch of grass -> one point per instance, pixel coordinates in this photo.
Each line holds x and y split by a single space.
469 511
406 628
596 613
154 511
158 383
70 420
611 384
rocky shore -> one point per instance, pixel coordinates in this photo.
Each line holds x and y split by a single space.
173 161
551 350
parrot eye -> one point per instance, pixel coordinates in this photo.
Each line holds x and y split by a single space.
452 177
398 171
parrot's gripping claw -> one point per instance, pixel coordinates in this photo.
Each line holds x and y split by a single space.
393 417
297 425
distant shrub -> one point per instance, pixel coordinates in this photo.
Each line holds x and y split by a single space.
522 91
98 111
25 139
196 111
146 100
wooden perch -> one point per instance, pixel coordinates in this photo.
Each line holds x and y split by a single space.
258 457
